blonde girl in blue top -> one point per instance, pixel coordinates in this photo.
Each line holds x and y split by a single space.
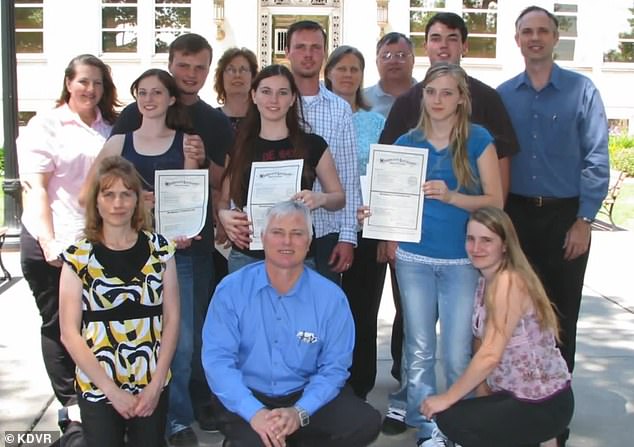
436 278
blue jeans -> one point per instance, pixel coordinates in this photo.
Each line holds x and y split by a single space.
433 290
195 279
237 260
323 249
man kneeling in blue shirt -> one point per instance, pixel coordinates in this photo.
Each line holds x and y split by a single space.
277 345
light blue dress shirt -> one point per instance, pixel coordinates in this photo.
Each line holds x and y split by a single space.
379 101
563 134
255 338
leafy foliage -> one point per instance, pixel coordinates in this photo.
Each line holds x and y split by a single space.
622 153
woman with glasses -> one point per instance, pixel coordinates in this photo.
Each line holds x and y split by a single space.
236 69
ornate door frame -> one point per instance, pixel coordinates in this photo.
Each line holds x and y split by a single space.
269 8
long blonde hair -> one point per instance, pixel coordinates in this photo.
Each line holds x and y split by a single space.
515 262
460 132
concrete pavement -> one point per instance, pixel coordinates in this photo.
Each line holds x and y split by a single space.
603 382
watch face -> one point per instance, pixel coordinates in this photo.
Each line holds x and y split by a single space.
303 417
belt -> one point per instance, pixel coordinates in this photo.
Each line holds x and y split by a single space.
541 201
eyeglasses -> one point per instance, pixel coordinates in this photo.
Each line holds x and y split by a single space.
399 56
234 71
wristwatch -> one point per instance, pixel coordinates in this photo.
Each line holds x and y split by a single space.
304 418
586 219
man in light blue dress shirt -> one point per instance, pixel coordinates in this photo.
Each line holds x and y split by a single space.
560 176
277 345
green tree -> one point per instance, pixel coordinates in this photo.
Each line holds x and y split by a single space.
625 53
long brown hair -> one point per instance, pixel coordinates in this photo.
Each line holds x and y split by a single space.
243 153
177 117
460 132
109 100
515 262
109 170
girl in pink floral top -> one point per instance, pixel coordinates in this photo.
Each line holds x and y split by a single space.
520 379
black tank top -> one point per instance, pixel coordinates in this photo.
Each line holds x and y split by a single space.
172 158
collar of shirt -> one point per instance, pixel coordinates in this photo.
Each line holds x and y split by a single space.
378 89
262 281
67 116
555 79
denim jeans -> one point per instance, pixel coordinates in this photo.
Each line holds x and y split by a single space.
323 249
195 279
432 290
237 260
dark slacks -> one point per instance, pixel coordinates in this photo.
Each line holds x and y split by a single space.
103 426
346 421
323 247
363 285
542 232
396 343
43 280
204 284
500 420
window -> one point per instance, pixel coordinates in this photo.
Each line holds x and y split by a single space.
281 37
420 12
121 24
481 18
479 15
566 13
624 51
119 20
171 18
29 24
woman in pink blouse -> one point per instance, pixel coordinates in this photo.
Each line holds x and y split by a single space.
55 152
520 379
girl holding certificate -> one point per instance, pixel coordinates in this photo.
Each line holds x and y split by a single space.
272 130
436 278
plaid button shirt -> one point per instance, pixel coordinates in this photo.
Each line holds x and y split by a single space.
331 117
